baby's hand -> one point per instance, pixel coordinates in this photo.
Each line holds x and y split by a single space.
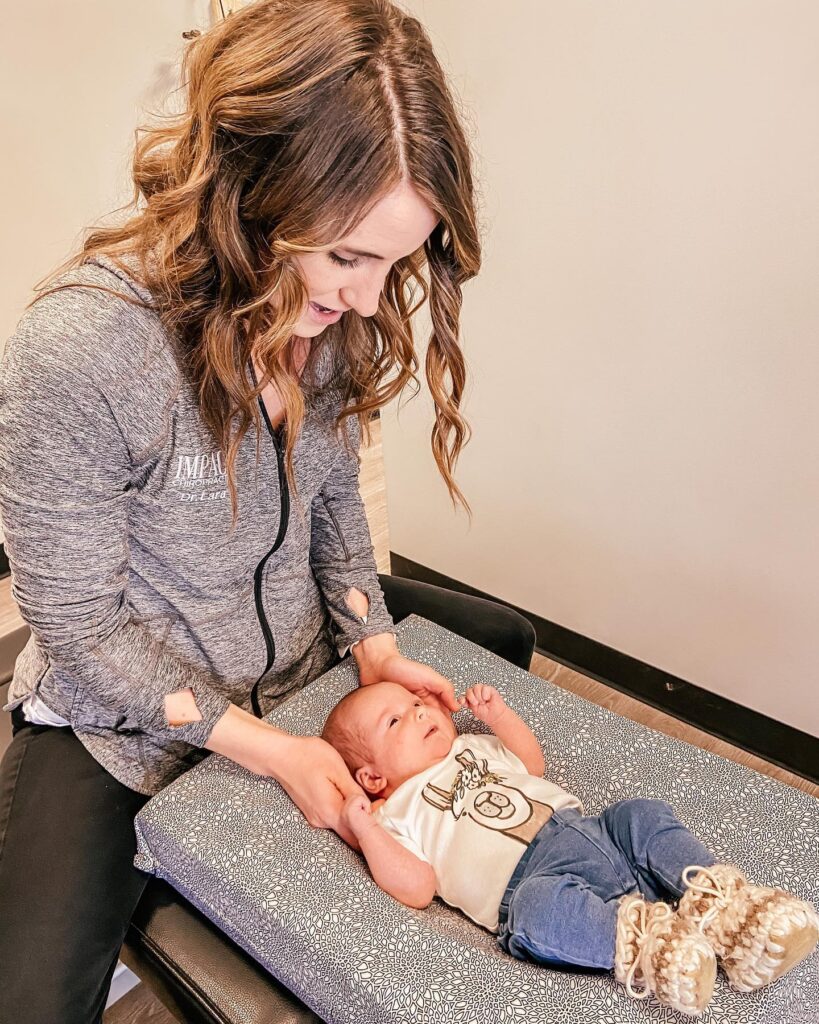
484 701
356 813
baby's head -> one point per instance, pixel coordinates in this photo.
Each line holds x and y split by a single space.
387 734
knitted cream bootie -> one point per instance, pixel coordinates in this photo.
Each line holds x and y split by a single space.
666 955
758 933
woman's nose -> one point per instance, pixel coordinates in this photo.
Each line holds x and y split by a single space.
365 295
365 305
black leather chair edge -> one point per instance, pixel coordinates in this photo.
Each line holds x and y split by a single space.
199 974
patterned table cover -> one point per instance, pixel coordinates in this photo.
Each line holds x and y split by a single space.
303 904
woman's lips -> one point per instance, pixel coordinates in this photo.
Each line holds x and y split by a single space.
323 318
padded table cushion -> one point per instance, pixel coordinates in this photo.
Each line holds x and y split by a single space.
303 904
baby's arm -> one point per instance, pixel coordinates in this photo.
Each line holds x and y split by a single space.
487 705
396 869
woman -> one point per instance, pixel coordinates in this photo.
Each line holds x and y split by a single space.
181 574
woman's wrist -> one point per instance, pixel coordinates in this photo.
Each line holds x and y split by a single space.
370 653
250 742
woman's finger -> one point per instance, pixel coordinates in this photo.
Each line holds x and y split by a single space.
336 794
446 692
346 784
415 676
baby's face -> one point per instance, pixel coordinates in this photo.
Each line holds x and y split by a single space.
404 734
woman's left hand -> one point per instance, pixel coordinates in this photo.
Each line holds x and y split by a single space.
380 661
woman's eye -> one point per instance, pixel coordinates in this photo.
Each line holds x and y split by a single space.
339 261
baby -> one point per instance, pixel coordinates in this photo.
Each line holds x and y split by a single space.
469 817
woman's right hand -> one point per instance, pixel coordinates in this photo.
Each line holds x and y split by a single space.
312 773
315 777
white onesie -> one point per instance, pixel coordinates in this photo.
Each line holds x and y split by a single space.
471 816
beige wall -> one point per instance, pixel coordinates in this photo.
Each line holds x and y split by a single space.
74 81
643 337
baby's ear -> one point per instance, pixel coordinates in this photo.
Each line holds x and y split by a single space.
369 780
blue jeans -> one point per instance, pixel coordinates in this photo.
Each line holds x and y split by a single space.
560 907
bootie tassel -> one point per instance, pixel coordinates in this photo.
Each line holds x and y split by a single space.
664 955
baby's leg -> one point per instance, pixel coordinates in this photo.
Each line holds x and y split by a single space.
656 845
557 920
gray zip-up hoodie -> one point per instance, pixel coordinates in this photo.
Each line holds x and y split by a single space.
116 517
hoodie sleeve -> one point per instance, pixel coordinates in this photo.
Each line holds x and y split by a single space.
65 482
341 550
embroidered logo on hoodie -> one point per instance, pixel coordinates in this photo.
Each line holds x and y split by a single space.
201 477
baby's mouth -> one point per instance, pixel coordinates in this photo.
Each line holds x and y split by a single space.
430 731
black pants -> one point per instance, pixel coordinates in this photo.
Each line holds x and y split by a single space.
68 887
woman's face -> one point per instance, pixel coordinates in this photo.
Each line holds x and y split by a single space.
343 278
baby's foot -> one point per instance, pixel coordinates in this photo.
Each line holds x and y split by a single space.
664 954
757 932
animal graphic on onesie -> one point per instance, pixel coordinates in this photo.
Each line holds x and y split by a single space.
485 797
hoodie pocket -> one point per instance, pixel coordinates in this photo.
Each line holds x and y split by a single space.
328 505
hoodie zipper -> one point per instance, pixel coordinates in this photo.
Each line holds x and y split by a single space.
284 494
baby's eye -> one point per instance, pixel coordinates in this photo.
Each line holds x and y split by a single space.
393 720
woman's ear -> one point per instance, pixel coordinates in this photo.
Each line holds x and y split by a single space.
369 779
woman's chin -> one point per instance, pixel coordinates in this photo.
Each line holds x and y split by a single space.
308 329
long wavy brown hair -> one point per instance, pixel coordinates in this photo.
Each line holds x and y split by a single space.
300 116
